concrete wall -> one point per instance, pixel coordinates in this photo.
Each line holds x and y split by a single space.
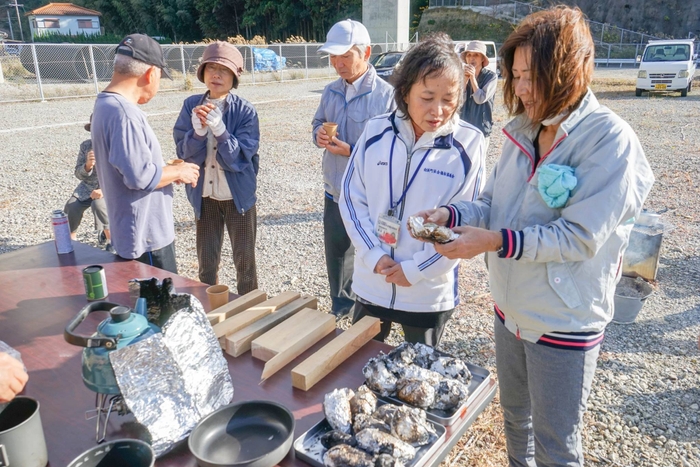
68 25
387 20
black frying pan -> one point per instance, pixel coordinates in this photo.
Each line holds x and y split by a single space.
246 434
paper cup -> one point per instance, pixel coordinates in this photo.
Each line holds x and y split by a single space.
331 129
218 296
175 161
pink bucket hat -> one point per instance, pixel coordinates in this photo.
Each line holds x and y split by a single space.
224 54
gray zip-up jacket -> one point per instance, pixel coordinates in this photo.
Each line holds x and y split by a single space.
375 97
562 264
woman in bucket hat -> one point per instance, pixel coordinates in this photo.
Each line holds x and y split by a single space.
219 131
479 90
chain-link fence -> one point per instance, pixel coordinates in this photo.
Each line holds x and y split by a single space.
51 71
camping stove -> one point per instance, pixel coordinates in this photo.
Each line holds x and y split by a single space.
123 327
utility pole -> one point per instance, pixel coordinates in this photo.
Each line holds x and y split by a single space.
9 22
19 20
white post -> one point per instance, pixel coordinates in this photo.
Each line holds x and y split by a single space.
94 70
252 62
306 59
182 59
281 68
37 73
2 77
386 41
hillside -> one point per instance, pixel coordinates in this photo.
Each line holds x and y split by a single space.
662 18
673 18
463 25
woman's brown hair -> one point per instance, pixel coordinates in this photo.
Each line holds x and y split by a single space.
432 57
561 61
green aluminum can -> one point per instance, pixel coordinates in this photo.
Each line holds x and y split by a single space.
95 282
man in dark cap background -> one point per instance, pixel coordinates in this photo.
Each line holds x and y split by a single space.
136 183
219 132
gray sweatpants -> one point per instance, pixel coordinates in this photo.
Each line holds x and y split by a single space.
543 396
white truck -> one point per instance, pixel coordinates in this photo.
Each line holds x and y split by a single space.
666 65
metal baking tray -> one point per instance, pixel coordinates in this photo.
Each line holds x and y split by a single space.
308 446
480 381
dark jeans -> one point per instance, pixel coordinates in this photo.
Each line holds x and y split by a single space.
163 258
423 327
340 255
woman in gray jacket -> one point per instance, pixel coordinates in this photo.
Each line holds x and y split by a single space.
554 220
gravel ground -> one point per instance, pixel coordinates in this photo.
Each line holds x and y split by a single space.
643 410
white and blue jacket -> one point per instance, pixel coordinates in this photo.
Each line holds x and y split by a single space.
442 167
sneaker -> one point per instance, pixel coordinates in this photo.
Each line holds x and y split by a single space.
109 248
101 237
340 314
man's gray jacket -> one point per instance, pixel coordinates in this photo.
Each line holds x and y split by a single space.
375 97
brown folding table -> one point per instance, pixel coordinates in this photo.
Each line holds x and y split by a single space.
40 291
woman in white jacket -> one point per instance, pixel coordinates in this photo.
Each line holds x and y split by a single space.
419 157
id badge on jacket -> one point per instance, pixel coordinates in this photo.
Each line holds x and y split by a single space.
388 228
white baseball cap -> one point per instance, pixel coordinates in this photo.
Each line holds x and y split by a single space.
343 35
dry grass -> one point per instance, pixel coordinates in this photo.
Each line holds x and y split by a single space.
484 445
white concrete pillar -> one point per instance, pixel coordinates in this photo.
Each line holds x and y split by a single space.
387 19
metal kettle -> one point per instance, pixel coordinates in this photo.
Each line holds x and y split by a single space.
123 327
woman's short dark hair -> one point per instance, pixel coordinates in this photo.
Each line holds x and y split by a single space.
561 61
433 57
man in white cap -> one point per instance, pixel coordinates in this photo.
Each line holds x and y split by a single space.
480 89
350 101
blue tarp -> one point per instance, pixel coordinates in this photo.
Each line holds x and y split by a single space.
267 60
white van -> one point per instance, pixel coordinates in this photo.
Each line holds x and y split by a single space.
667 65
491 53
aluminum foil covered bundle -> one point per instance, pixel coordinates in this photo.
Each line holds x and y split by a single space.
430 232
172 380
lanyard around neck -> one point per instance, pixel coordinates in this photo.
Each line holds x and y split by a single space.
410 182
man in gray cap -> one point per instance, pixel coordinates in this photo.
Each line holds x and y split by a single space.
355 97
480 89
136 183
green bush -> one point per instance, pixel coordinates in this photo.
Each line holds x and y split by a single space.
463 25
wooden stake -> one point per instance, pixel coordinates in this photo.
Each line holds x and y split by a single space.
252 314
316 367
322 327
284 335
236 306
239 342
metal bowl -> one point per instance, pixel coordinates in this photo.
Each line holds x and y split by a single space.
246 434
118 453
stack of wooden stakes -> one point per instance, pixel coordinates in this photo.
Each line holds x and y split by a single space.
279 329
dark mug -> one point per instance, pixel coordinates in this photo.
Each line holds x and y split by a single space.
118 453
22 440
